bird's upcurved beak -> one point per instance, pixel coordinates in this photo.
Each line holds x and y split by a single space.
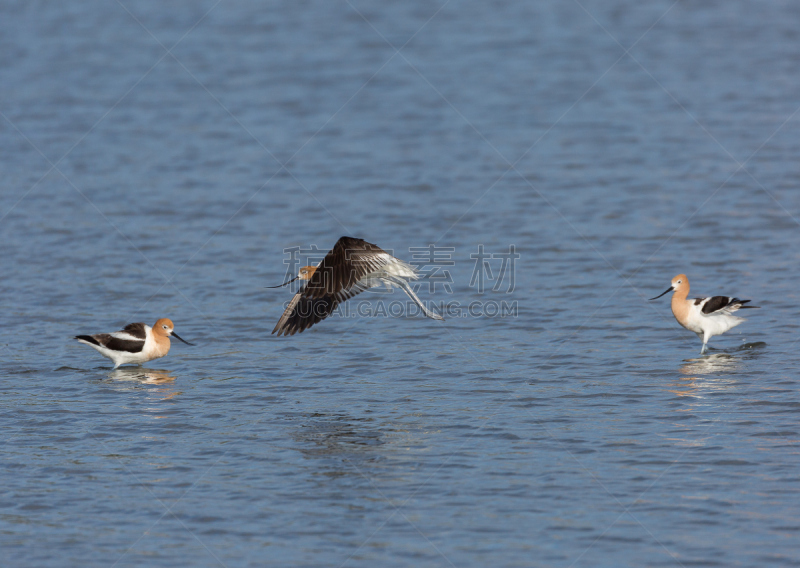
667 290
284 284
176 336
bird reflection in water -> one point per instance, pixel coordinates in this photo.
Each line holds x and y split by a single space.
338 434
693 384
342 445
138 375
722 362
711 364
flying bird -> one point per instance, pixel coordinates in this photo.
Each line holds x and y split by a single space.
137 343
351 267
706 317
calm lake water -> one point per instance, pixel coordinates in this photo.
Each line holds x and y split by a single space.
163 161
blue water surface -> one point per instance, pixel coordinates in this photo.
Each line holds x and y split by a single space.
159 160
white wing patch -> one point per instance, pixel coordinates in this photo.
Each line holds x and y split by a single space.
396 267
125 336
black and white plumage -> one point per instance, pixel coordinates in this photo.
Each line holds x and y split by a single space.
351 267
137 343
131 339
706 317
720 304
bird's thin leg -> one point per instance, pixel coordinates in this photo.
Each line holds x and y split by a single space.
410 293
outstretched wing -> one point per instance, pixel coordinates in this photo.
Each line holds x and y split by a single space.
348 262
336 279
720 305
305 310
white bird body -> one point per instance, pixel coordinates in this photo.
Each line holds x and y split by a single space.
706 317
706 325
136 344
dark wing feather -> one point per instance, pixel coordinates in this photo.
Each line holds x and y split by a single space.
303 312
721 303
117 344
335 281
114 343
137 330
348 261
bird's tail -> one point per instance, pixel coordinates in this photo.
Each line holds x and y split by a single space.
410 293
87 339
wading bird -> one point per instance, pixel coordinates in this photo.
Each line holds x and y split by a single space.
351 267
137 343
706 317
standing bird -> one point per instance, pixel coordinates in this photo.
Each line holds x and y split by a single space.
352 266
706 317
137 343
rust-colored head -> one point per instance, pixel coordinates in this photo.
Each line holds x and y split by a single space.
306 272
163 327
680 282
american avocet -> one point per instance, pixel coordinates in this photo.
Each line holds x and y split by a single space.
137 343
706 317
352 266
